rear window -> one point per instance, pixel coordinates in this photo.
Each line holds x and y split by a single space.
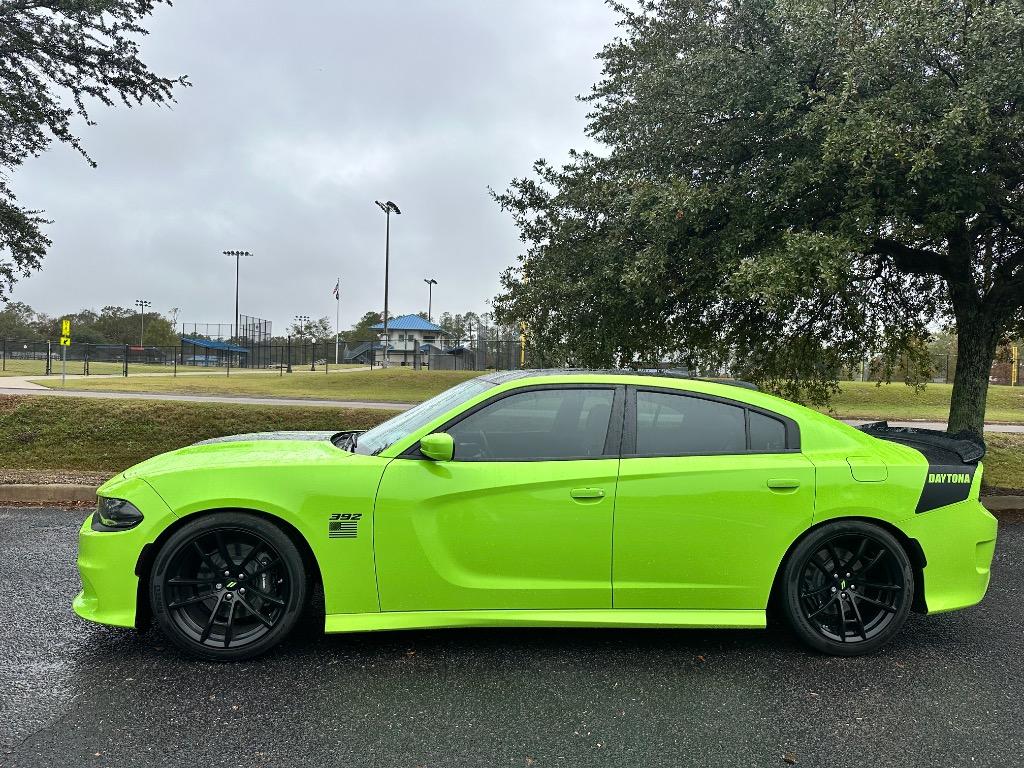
669 425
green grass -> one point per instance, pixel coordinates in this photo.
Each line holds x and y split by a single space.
898 402
394 385
856 400
111 435
38 367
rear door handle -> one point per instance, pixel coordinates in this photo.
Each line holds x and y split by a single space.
587 493
783 484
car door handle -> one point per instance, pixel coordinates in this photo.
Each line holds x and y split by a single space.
783 484
587 493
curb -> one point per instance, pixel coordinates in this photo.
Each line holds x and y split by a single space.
47 494
63 494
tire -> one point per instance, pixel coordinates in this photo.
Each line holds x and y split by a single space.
228 586
847 588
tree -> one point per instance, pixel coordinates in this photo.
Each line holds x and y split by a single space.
789 187
57 57
459 326
318 330
363 330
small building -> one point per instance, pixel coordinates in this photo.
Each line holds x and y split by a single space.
408 336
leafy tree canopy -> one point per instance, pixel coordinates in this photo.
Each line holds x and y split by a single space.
57 57
787 187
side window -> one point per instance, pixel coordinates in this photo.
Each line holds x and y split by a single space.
668 424
766 433
537 424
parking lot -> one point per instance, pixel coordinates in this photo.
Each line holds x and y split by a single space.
947 693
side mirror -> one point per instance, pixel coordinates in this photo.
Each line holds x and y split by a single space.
438 447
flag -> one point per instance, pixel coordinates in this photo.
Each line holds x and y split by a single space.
337 290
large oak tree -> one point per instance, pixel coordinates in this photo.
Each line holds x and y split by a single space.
58 58
787 187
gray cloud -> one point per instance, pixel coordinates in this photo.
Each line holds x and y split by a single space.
297 120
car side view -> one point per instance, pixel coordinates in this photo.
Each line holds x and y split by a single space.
547 498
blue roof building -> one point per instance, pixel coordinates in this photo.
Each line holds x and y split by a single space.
409 323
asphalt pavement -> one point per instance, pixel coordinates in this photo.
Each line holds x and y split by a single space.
946 693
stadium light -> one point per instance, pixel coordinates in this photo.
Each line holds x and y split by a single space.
388 208
238 257
142 304
431 282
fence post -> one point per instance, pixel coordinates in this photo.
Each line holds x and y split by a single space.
289 353
174 359
5 354
125 369
48 366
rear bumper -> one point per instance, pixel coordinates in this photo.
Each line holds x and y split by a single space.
958 542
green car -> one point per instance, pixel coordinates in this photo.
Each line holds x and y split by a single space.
547 498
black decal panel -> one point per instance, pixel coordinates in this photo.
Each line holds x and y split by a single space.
946 484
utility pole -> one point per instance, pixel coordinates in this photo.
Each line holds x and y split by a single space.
142 304
238 257
431 282
388 208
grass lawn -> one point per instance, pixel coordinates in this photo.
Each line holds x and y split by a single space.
111 435
857 400
394 385
898 402
38 367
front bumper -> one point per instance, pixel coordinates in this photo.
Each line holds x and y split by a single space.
958 541
107 560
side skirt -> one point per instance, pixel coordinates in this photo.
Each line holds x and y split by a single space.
374 622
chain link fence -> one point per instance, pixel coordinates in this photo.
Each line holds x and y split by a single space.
197 355
43 358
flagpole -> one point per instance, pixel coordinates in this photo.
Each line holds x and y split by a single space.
337 321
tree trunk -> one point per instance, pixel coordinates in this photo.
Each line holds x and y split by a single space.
978 333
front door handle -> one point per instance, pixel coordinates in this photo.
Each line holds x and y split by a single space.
587 493
783 484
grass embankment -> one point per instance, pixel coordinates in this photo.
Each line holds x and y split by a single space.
395 385
111 435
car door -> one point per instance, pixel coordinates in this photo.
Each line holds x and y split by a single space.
520 518
711 494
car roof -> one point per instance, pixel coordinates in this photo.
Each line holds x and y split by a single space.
502 377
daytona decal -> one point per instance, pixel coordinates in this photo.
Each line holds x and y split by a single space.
945 484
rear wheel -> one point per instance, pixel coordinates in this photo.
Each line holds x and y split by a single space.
848 588
228 586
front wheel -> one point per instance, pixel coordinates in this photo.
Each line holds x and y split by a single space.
228 586
847 588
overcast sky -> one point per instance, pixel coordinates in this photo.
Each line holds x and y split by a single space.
295 123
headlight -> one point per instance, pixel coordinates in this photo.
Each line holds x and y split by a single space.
115 515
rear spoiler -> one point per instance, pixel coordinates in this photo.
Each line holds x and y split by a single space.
931 442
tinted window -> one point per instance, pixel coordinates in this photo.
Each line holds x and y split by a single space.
766 433
539 424
676 424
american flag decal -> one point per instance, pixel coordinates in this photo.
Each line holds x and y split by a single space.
342 529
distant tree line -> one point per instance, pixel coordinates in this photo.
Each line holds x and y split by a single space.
110 325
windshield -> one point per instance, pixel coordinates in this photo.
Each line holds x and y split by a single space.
380 437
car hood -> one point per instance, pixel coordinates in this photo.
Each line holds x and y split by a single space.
259 449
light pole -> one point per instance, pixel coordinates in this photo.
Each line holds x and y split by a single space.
431 282
238 257
302 324
388 208
142 304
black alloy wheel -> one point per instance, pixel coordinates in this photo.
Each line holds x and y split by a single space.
848 588
228 586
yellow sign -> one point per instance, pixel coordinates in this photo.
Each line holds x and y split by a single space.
65 327
65 341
